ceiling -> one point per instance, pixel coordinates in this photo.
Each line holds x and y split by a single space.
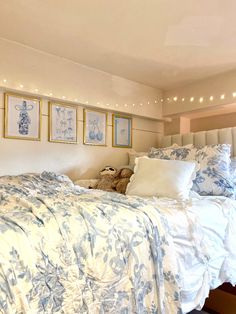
161 43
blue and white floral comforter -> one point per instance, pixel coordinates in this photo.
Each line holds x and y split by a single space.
70 250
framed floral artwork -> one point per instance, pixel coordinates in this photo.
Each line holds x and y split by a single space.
22 118
121 131
95 127
62 123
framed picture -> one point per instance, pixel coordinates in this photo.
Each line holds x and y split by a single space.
22 117
121 131
62 123
95 126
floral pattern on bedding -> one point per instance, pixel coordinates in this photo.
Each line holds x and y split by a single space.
173 152
65 249
213 176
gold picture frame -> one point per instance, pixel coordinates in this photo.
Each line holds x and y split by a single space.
22 117
62 123
95 131
121 131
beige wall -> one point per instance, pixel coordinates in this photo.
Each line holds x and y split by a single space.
214 122
185 125
177 125
45 74
51 77
223 84
76 160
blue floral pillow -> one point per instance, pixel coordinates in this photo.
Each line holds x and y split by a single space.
213 178
174 152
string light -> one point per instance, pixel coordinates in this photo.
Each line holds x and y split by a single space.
211 98
175 98
4 81
162 100
201 99
36 90
183 99
133 105
108 104
148 102
64 97
155 101
141 104
50 94
117 105
222 96
76 99
234 94
98 103
21 85
125 105
192 99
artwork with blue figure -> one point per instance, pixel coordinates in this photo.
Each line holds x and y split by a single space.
24 118
63 123
95 131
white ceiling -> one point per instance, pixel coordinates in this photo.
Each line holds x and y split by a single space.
162 43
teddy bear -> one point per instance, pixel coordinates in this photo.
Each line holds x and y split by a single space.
106 178
122 179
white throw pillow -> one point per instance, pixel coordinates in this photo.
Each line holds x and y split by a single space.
164 178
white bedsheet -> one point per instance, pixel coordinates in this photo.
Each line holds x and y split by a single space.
204 235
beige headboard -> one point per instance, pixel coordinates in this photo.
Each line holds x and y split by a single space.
219 136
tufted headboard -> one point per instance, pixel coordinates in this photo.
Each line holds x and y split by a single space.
219 136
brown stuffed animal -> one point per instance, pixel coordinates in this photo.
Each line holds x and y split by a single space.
122 179
107 177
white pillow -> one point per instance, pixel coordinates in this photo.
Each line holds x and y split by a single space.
164 178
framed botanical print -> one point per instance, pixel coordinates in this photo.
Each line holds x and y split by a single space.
62 123
121 131
95 126
22 119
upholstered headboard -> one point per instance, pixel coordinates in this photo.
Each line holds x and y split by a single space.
219 136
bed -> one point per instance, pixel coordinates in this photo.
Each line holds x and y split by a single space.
66 249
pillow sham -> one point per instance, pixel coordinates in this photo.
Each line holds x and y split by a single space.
174 152
233 170
163 178
213 178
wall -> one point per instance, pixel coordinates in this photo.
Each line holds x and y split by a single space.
177 125
76 160
221 87
34 72
213 122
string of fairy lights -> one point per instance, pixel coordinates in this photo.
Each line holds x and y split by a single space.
137 104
